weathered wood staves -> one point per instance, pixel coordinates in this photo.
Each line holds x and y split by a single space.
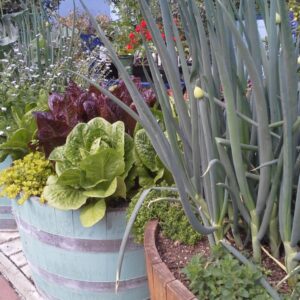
7 220
162 283
69 262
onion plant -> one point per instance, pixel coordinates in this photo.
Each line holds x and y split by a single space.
232 148
41 41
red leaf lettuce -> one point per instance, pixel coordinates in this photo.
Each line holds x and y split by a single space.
76 106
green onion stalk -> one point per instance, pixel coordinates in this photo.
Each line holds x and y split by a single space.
232 147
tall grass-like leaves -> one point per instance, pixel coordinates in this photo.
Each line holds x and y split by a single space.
173 161
36 37
288 93
243 135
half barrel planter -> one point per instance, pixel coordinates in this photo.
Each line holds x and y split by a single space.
162 283
7 220
70 262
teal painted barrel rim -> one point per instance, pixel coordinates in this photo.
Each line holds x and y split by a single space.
69 262
7 220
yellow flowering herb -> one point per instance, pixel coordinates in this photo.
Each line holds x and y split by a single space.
26 177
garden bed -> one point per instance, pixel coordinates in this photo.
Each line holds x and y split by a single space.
162 283
170 258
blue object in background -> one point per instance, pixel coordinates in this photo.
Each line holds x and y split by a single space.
96 7
90 41
293 24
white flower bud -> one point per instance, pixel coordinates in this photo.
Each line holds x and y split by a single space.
277 18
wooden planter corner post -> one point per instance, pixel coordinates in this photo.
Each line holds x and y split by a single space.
162 283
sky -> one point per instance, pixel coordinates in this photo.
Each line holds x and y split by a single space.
96 7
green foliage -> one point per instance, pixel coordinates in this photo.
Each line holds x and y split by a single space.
92 212
9 6
223 277
17 98
93 163
43 51
26 77
295 295
19 93
149 168
173 222
19 136
26 177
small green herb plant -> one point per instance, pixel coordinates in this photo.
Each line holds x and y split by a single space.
164 206
223 277
26 177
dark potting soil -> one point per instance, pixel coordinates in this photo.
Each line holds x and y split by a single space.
118 203
176 256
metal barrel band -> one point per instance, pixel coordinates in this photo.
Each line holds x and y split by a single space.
5 210
8 224
75 244
80 285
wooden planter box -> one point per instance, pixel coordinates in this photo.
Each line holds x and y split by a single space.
162 283
69 262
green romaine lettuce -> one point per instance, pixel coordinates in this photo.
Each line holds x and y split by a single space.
91 166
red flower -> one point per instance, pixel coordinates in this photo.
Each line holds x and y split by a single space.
143 24
137 28
131 35
129 47
148 35
163 35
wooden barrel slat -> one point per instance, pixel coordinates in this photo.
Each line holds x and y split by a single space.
95 267
7 220
79 285
65 293
71 262
55 222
